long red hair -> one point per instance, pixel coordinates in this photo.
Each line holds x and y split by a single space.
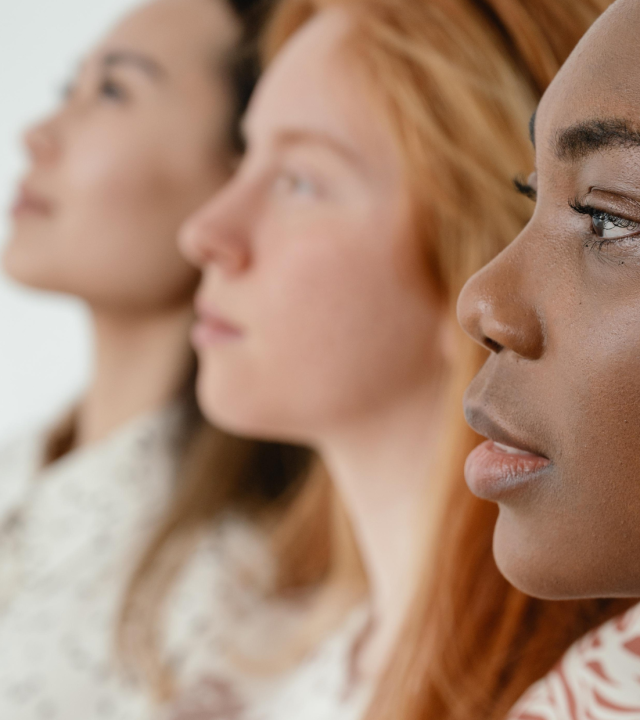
460 79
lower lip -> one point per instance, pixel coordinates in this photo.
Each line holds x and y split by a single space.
210 332
491 472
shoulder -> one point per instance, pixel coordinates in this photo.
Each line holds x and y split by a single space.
19 459
22 454
16 448
598 676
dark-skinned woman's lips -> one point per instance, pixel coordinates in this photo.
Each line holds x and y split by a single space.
494 469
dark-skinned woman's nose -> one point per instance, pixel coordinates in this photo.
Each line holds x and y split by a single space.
218 233
495 309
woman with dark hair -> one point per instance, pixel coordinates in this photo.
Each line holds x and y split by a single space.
109 551
559 396
382 142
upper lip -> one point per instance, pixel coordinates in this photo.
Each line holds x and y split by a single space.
28 196
485 425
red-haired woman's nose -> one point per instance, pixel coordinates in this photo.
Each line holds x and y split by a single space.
41 142
216 235
494 309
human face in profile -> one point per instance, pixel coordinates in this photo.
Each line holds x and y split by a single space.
139 141
559 398
315 312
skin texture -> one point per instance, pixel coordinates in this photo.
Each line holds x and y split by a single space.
128 155
560 309
139 142
310 254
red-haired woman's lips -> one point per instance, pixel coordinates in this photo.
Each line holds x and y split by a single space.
29 203
493 469
212 329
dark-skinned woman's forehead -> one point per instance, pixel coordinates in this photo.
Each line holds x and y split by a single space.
593 105
582 139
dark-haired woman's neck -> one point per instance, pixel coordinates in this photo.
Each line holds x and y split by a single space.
142 360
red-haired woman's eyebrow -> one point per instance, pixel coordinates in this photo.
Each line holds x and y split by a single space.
314 137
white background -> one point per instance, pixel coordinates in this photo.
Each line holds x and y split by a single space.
44 340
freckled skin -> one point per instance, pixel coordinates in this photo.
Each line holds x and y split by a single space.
565 314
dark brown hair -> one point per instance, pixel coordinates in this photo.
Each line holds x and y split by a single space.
218 471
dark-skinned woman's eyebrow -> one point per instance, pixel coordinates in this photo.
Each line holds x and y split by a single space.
582 139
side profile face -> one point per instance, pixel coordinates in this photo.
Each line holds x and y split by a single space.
314 310
560 309
139 141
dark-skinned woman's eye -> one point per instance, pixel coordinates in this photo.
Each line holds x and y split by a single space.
612 227
606 226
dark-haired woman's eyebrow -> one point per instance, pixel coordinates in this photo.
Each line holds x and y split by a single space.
524 188
137 60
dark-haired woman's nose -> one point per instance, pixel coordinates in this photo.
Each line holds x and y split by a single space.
42 141
496 310
218 233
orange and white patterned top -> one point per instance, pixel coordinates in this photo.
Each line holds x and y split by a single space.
598 678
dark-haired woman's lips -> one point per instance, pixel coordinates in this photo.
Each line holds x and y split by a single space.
30 204
212 329
494 469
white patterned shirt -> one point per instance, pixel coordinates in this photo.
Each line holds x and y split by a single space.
72 532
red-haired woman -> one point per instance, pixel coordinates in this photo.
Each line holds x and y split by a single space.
382 143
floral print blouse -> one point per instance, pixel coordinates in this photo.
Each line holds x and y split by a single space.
70 536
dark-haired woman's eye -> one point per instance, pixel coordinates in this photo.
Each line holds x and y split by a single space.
112 90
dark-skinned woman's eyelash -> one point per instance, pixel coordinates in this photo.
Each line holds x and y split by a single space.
583 209
523 187
578 206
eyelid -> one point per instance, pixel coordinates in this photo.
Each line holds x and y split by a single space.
589 205
613 203
583 207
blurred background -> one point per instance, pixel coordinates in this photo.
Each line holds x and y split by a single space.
44 339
